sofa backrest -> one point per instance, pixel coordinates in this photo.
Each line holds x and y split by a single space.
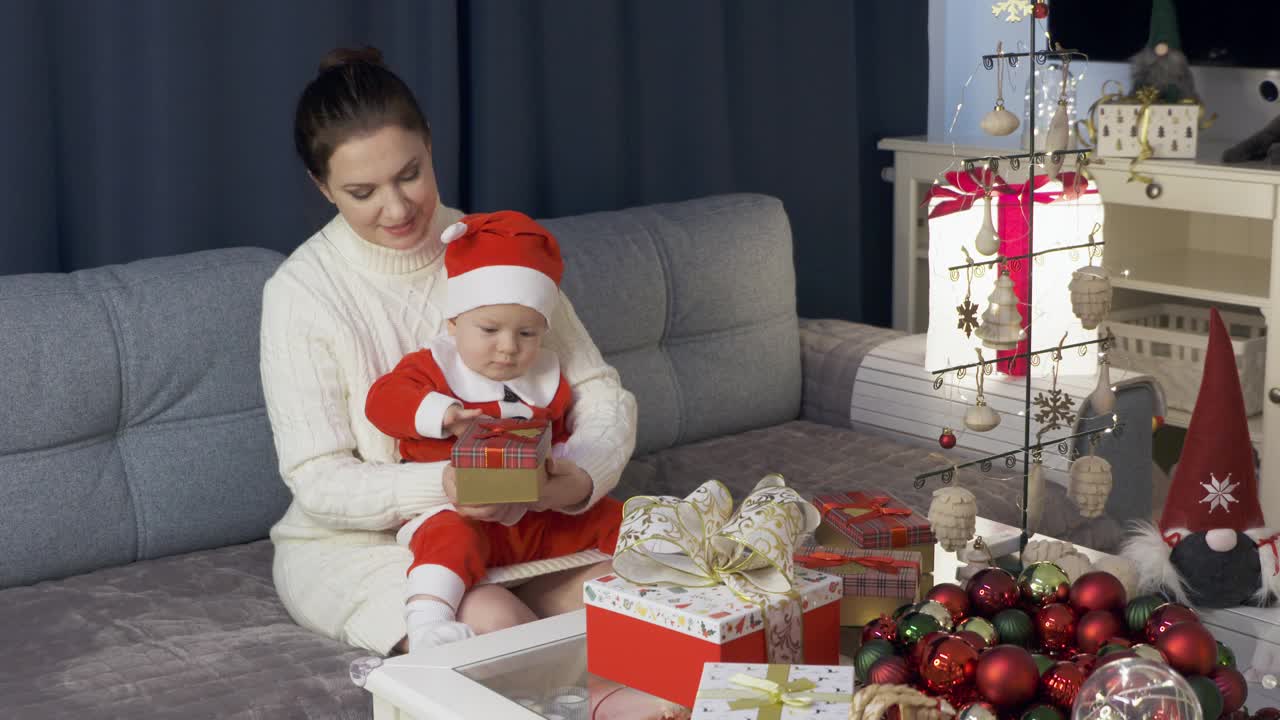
133 423
694 303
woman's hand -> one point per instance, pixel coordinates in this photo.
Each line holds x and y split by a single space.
505 513
566 485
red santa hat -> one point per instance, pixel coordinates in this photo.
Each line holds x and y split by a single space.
1214 486
501 258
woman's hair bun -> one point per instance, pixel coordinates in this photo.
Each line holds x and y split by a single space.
338 57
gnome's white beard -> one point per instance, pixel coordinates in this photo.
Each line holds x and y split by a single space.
1146 547
1269 561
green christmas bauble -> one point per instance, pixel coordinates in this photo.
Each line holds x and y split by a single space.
1108 649
1042 712
1208 694
937 611
1139 609
916 625
1014 627
1043 662
1226 658
868 654
903 611
983 627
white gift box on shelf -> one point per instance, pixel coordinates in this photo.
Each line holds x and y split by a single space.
1172 131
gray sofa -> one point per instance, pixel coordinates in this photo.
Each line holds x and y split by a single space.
138 478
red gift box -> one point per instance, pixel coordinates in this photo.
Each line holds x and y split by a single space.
500 461
874 521
656 638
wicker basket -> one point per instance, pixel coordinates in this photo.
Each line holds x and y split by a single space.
1168 341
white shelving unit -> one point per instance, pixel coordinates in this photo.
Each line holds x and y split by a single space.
1210 235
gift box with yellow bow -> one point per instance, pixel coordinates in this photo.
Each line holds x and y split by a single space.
876 582
696 581
501 461
874 522
731 691
1138 126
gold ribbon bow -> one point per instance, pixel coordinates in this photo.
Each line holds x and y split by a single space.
699 541
771 693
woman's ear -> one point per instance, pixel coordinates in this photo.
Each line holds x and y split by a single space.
322 187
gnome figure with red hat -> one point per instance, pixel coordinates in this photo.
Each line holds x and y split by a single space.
1212 548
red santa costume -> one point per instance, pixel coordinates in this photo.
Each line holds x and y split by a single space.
1212 547
491 259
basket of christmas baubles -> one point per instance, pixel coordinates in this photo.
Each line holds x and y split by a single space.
1037 646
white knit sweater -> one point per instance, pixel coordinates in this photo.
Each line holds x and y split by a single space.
338 314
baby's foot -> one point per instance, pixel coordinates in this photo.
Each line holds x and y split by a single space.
431 623
618 702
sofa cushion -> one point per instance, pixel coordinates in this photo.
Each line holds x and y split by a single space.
817 458
135 425
201 635
694 304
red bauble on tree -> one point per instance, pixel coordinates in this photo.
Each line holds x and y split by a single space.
947 439
890 670
1007 677
1233 687
1190 648
992 590
1040 10
1056 628
1061 682
1095 628
1097 591
1165 617
948 669
882 628
953 598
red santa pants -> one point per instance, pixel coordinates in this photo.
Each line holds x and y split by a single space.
468 547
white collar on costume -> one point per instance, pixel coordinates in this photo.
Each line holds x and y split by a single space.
537 386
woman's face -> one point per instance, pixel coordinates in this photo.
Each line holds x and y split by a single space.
384 185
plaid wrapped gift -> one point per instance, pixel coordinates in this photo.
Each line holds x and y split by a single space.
501 461
876 582
874 522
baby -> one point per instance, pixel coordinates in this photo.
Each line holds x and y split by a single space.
504 272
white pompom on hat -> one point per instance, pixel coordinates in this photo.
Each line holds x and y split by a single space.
500 258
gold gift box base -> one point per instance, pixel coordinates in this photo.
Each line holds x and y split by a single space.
833 538
485 486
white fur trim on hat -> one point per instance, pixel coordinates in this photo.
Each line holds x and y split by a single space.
1269 560
1147 548
453 232
501 285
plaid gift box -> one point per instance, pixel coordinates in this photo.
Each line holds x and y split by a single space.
874 522
876 582
501 461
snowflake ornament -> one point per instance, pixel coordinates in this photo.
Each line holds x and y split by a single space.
1218 493
968 313
1055 410
1018 10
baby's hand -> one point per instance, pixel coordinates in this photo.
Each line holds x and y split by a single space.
457 418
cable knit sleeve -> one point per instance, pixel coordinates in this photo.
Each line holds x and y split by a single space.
307 405
603 416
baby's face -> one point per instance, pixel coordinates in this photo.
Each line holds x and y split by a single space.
499 341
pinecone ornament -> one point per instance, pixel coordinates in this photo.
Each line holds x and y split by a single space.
1090 295
1074 565
952 514
1090 485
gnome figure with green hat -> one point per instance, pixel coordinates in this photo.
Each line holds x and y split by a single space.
1161 64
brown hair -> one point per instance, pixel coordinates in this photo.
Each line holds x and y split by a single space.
353 93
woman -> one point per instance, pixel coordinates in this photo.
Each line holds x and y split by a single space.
341 311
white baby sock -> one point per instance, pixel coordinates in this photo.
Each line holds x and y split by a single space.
431 623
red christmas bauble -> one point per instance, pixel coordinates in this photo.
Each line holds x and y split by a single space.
1056 628
1095 628
916 654
889 670
1267 713
1097 591
1233 686
1040 10
978 642
1061 682
992 590
947 439
882 628
1165 617
1113 656
948 669
1190 648
953 598
1007 676
1086 662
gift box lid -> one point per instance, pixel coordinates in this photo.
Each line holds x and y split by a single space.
712 613
828 680
866 573
874 521
508 443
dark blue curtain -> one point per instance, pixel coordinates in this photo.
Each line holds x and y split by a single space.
151 127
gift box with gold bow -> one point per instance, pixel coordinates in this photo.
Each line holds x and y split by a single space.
874 522
1139 126
732 691
876 582
501 461
696 581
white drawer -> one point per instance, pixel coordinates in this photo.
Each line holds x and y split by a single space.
1222 197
